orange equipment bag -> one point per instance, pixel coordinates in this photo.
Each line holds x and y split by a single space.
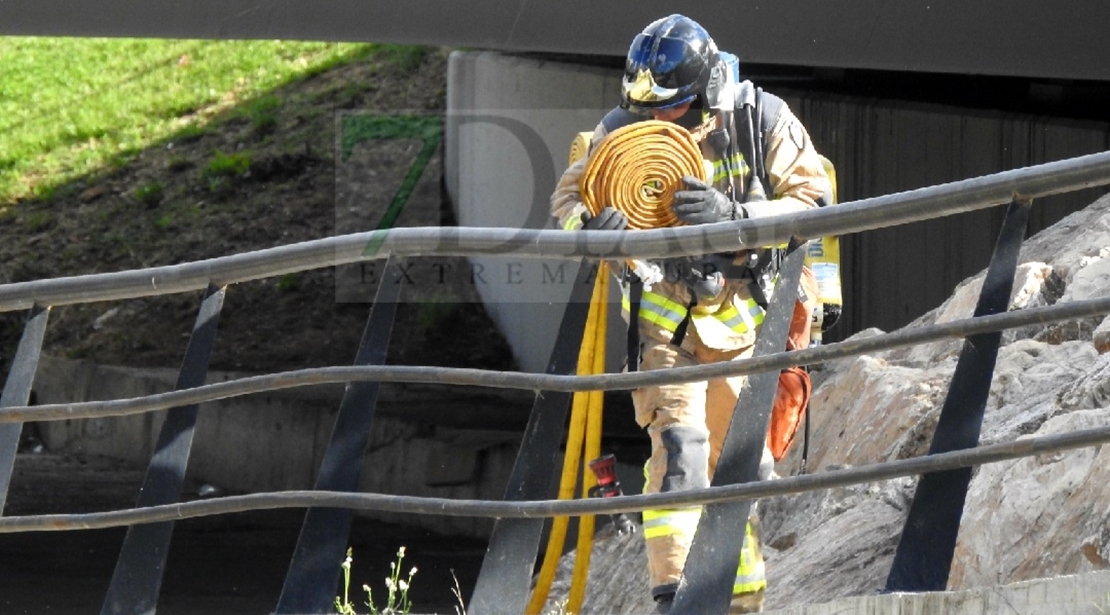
792 398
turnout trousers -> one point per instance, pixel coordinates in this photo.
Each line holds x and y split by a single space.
687 424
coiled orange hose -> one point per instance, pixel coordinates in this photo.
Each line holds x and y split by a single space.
638 168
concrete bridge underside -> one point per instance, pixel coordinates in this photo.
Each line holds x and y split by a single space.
1063 40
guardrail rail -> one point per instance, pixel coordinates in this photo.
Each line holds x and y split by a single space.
924 554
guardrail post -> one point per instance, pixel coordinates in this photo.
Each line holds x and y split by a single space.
924 556
310 584
137 578
710 571
17 391
503 581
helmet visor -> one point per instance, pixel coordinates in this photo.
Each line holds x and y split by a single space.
660 72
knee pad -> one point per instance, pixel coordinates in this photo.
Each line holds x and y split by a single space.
687 458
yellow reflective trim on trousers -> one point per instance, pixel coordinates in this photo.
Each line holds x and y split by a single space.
751 575
573 223
667 522
657 310
752 582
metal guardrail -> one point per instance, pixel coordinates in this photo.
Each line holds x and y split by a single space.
850 217
534 509
702 590
554 382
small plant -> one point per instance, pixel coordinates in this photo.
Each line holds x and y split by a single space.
188 134
262 113
461 609
229 165
44 192
223 169
39 221
397 598
406 58
343 603
150 194
288 282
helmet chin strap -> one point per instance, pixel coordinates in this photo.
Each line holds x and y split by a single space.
698 120
692 119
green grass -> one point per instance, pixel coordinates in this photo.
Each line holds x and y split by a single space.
72 106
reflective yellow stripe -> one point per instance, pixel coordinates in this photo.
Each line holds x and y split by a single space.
667 522
573 223
751 575
657 310
742 320
755 581
739 166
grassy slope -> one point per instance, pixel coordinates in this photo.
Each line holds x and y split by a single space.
139 162
68 106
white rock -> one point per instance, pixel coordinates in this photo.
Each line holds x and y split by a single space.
1028 518
1101 336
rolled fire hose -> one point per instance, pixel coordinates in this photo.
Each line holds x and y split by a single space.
585 427
638 168
580 146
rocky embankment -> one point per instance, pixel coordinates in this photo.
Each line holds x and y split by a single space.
1029 518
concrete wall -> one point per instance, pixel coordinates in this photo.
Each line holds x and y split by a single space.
509 127
879 147
275 441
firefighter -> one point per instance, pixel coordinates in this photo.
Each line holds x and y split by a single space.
704 310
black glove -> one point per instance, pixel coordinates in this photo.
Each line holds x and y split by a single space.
608 219
701 203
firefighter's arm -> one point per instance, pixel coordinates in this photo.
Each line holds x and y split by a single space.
798 178
566 201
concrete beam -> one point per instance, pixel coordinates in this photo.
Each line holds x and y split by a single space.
510 123
1064 39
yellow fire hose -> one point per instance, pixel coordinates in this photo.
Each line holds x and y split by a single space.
585 425
636 169
593 445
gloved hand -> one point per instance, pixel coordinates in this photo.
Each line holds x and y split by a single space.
608 219
701 203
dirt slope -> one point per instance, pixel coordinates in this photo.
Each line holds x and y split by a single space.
168 206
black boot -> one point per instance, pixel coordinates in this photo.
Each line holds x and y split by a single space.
663 603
